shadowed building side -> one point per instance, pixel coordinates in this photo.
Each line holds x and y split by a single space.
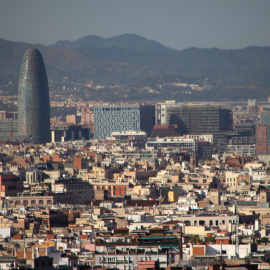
33 98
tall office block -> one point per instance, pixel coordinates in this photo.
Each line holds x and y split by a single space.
115 118
33 98
147 118
263 139
108 119
197 119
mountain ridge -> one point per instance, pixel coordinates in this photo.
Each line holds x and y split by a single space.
125 41
130 59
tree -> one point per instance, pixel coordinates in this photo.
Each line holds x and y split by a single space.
194 238
210 239
264 240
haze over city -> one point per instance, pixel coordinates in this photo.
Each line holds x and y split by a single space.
178 24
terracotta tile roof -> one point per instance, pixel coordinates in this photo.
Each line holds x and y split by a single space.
121 229
50 236
17 237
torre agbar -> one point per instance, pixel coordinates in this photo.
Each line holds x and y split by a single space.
33 98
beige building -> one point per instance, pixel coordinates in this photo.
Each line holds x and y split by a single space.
195 230
172 196
223 222
214 196
231 178
20 201
138 175
97 173
34 176
76 190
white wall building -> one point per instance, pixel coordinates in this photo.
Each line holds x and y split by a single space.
246 150
181 143
6 232
229 251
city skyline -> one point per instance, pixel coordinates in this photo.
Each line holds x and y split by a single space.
139 156
177 24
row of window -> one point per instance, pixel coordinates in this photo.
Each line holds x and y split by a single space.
230 180
111 187
117 109
33 202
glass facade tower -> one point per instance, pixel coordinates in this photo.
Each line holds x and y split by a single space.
33 98
197 119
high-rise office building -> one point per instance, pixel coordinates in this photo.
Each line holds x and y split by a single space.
115 118
262 134
147 118
108 119
197 119
33 98
263 139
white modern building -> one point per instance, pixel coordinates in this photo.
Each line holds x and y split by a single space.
181 143
246 150
115 118
229 251
108 119
129 134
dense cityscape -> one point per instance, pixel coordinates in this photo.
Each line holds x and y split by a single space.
131 185
134 135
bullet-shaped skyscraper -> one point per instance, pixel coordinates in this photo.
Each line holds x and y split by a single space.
33 98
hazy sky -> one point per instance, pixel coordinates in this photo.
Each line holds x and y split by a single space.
179 24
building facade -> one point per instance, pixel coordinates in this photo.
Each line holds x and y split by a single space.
197 119
108 119
115 118
240 145
128 251
147 118
10 185
263 139
8 127
181 143
33 98
73 132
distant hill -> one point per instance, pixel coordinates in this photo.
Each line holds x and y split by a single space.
126 41
244 66
65 62
133 60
